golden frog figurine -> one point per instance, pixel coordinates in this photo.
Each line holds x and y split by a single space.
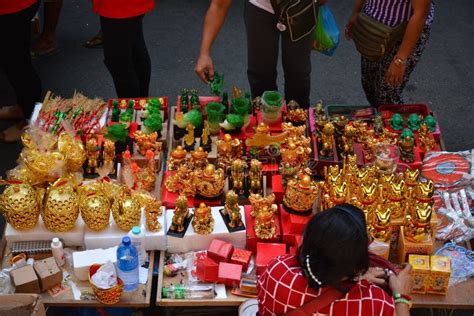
300 195
255 176
177 158
126 210
426 139
94 206
199 158
147 142
19 203
93 152
259 202
152 211
182 181
73 152
327 140
180 214
189 139
232 210
203 222
380 228
209 182
109 155
228 150
424 191
237 171
418 225
61 206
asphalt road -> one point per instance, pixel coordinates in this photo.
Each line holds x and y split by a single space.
443 78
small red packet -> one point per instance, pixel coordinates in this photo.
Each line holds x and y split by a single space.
220 251
230 274
242 257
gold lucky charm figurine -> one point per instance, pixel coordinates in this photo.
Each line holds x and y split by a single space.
327 140
109 155
180 215
61 206
94 206
300 195
255 177
152 211
259 202
177 158
182 181
424 191
188 139
347 140
232 210
265 223
93 152
203 222
237 176
199 158
73 151
418 225
395 195
209 182
126 209
320 123
380 228
228 150
147 142
19 203
426 139
407 149
411 177
262 139
205 141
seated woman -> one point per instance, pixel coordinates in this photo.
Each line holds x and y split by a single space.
331 273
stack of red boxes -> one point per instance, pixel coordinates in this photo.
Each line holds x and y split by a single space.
266 252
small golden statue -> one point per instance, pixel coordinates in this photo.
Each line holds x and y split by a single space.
147 142
368 195
180 214
380 228
152 211
182 181
300 195
237 171
426 139
228 150
296 114
264 226
259 202
177 158
232 210
145 178
209 182
20 205
347 140
93 153
395 194
407 147
203 222
188 139
205 141
418 225
263 138
293 131
109 155
199 158
320 123
294 157
424 191
327 140
126 210
255 177
340 123
411 177
61 207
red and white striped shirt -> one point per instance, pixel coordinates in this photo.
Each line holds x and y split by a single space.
283 287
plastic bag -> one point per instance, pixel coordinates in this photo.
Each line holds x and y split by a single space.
462 262
326 33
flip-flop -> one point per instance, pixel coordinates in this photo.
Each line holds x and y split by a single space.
45 53
95 42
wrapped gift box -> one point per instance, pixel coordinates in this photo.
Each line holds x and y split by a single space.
207 270
230 274
220 251
266 252
242 257
277 188
48 272
251 238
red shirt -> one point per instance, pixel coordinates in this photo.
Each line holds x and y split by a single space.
283 287
122 9
13 6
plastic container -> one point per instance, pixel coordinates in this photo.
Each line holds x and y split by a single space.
128 265
350 111
58 251
137 236
386 158
272 104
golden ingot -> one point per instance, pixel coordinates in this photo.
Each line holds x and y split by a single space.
203 222
300 194
95 210
61 207
126 210
19 204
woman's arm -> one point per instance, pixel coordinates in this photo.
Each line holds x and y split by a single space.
355 11
213 22
396 70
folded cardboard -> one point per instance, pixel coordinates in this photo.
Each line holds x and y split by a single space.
25 280
84 259
48 272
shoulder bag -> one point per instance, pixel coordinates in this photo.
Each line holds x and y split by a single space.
296 17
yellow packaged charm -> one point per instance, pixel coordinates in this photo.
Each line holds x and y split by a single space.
438 282
420 272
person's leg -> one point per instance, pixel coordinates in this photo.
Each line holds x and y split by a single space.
142 60
393 94
15 29
262 49
47 42
296 60
370 79
119 37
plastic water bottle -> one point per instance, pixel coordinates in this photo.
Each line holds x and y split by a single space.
138 240
127 263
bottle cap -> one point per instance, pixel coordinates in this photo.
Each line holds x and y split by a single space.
136 230
56 241
126 241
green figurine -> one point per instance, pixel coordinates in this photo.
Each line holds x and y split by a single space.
407 133
378 125
396 122
414 122
115 111
225 101
216 84
431 123
195 100
184 104
131 104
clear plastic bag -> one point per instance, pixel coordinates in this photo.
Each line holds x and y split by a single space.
326 33
462 262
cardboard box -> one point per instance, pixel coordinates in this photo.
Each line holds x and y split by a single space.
48 272
440 273
230 274
420 272
406 247
22 305
266 252
242 257
25 280
220 251
207 270
84 259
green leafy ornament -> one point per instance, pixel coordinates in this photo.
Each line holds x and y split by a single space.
153 123
117 133
217 84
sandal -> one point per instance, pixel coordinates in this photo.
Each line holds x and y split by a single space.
11 113
13 133
95 42
44 49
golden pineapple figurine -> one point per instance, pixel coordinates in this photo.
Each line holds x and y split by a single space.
19 203
61 208
126 209
94 206
203 222
300 195
180 214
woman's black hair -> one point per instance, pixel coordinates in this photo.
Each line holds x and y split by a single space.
336 243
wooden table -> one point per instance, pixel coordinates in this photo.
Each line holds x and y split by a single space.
139 298
460 296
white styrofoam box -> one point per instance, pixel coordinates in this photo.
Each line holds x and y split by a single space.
84 259
195 242
74 237
112 236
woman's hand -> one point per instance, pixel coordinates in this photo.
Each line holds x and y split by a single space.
204 68
374 275
395 73
401 283
349 24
